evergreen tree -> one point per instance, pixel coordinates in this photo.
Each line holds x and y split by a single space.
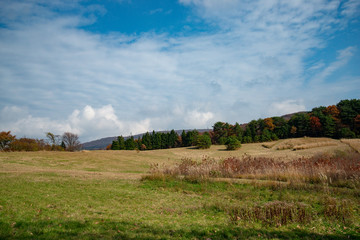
172 138
266 136
349 109
156 143
203 141
183 139
233 143
329 127
302 123
146 140
121 142
115 145
247 136
63 146
130 143
191 137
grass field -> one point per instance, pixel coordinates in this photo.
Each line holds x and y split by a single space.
102 195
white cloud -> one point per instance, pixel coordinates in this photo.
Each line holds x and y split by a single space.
286 107
351 8
198 119
89 123
256 55
342 59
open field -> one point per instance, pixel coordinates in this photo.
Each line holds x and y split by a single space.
100 194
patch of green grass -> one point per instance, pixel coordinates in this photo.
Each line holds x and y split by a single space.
48 206
80 196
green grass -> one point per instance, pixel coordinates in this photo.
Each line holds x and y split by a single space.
99 195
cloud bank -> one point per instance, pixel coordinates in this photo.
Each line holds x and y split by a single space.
255 61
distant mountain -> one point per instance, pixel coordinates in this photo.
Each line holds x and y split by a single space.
103 142
287 117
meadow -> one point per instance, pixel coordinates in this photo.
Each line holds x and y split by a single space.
131 195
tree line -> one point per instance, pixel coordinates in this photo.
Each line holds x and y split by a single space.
335 121
66 142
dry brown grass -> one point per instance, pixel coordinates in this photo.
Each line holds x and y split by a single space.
353 143
341 170
305 143
133 164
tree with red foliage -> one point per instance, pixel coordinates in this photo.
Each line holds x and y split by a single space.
315 125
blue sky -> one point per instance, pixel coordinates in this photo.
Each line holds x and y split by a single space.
120 67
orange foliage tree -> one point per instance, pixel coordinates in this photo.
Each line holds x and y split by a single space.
5 139
269 124
333 111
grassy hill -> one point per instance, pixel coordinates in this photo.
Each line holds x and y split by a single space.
101 194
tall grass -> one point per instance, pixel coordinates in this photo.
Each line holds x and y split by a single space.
276 213
340 170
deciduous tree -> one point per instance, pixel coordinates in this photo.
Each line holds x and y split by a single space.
71 141
5 139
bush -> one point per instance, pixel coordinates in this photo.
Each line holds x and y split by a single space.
233 144
28 144
204 142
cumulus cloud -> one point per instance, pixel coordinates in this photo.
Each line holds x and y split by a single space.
88 122
253 58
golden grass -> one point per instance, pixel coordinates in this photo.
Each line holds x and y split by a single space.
353 143
305 143
133 164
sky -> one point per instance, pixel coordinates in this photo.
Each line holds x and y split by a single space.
120 67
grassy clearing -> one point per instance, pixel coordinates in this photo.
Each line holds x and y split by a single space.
99 194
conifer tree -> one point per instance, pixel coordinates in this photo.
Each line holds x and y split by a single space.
121 142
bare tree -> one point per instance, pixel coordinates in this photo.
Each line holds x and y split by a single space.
53 140
71 141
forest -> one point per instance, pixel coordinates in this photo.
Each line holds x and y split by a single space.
336 121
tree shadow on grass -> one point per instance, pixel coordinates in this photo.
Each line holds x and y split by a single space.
43 229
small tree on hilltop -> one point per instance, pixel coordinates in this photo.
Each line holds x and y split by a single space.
204 141
233 143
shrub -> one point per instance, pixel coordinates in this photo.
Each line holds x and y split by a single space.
233 144
204 142
28 144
